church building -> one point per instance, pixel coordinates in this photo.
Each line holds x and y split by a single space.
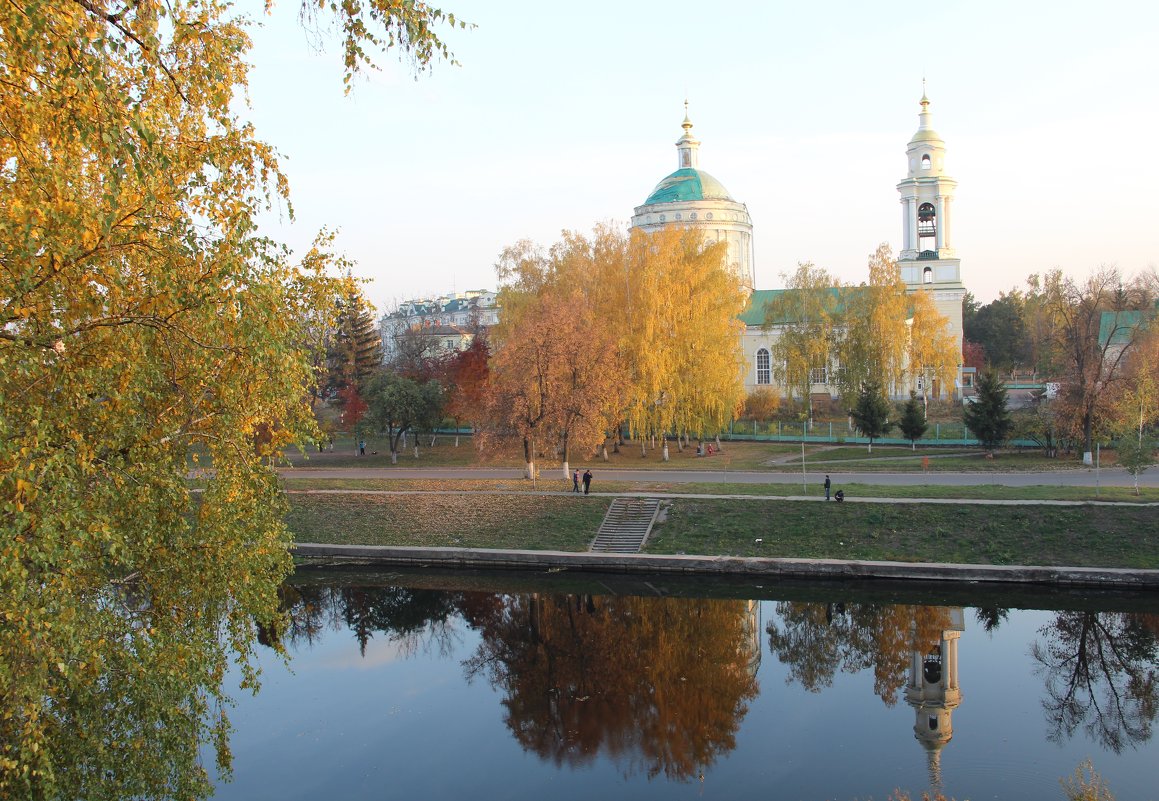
928 262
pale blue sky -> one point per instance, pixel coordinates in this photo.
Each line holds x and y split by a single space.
564 115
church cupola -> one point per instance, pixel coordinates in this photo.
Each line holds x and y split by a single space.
688 146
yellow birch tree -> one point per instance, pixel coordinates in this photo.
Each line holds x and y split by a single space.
933 351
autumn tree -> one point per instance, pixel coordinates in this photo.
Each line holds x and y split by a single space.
809 329
144 321
875 340
1097 322
466 373
933 352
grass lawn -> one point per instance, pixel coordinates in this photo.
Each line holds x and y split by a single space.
525 521
1083 536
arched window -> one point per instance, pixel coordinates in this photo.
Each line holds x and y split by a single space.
764 374
926 161
928 275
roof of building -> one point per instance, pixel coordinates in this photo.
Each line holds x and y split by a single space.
1119 326
688 184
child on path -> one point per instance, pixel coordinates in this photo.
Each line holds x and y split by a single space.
575 480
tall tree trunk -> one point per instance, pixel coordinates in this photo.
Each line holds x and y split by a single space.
529 459
665 452
566 452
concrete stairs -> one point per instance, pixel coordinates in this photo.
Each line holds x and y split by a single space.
626 525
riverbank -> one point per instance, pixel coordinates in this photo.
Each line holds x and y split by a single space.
744 527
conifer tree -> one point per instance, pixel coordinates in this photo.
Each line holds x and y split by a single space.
987 416
871 414
913 420
356 352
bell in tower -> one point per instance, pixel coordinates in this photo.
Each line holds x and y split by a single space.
932 690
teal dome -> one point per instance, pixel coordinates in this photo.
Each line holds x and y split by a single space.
688 184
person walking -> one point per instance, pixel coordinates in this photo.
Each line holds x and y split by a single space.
575 480
587 481
827 485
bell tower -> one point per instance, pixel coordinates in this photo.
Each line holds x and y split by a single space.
928 261
933 692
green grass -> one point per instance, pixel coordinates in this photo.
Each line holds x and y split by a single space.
526 521
1083 536
1001 535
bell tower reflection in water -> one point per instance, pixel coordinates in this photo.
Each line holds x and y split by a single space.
933 692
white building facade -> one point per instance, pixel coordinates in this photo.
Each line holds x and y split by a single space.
449 321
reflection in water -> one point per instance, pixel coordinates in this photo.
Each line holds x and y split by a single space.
934 693
815 640
658 685
1099 670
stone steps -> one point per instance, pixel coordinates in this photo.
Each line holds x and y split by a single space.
626 525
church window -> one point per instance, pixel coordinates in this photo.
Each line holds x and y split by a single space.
928 275
678 216
692 216
708 216
663 217
926 161
764 373
817 375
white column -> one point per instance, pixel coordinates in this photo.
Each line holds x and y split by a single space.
913 223
905 243
941 230
946 202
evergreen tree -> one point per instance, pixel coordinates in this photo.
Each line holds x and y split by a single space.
987 416
913 420
356 352
871 414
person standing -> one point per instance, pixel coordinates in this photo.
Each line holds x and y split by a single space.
575 480
587 481
827 485
361 447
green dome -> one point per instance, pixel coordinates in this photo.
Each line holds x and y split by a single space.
688 184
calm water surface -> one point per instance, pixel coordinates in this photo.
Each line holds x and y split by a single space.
474 686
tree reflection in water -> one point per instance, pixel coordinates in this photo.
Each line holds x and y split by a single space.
658 685
1099 670
815 640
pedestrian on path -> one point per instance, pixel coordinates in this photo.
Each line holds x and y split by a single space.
361 447
827 485
587 481
575 480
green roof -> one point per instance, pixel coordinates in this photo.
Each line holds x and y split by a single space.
754 313
688 184
1118 327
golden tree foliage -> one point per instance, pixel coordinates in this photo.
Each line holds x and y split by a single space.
876 332
143 321
933 351
609 328
809 324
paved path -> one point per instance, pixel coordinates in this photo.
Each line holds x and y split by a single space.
814 479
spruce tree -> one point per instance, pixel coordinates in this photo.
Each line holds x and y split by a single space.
913 420
987 416
356 352
871 414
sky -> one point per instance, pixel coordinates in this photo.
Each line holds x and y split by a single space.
561 116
